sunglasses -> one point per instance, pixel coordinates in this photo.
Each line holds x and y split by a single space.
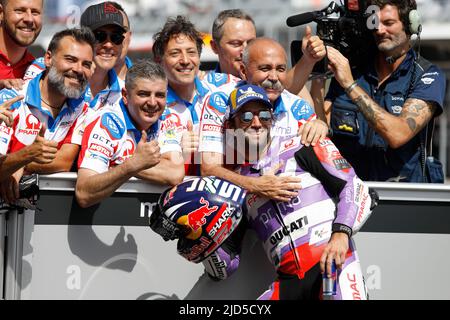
248 116
102 36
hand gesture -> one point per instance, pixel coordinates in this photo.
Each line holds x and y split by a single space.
189 141
277 188
336 249
43 151
11 84
313 47
147 154
5 113
9 188
340 66
312 132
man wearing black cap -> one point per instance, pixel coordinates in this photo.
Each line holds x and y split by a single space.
107 23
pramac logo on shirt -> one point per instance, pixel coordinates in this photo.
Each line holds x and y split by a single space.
129 148
113 125
32 122
32 126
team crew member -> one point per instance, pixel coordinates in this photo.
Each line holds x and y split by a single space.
55 100
380 115
301 238
124 62
265 65
177 47
119 145
108 25
21 23
233 29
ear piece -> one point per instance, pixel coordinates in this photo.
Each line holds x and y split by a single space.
415 26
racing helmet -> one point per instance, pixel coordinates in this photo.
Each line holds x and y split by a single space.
201 213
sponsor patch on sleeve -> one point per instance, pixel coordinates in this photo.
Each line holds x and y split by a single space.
301 110
113 125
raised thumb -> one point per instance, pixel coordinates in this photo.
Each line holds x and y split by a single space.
308 32
190 127
144 136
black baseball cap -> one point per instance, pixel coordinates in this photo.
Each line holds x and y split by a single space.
102 14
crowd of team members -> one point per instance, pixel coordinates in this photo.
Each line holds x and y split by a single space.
84 103
85 107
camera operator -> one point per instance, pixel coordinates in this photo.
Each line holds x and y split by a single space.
380 115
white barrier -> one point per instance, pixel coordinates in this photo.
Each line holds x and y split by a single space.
109 252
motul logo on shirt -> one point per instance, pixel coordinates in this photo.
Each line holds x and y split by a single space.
212 128
100 149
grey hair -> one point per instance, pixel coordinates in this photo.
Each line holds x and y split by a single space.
223 16
144 69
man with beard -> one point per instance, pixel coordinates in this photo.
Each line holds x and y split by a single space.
119 145
265 65
21 23
53 107
381 116
109 25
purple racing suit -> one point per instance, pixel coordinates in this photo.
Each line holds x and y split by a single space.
294 234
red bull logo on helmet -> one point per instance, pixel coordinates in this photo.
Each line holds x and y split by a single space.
196 219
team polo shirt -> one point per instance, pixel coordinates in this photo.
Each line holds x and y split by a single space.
111 95
112 137
362 146
29 114
129 64
14 71
35 68
290 113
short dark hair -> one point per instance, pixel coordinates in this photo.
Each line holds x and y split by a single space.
82 34
173 27
403 6
144 69
121 9
223 16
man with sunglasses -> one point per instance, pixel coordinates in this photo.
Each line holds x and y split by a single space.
124 62
302 238
265 65
108 25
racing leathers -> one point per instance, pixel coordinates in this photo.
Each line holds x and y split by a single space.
295 234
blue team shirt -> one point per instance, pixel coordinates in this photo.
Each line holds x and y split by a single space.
367 151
